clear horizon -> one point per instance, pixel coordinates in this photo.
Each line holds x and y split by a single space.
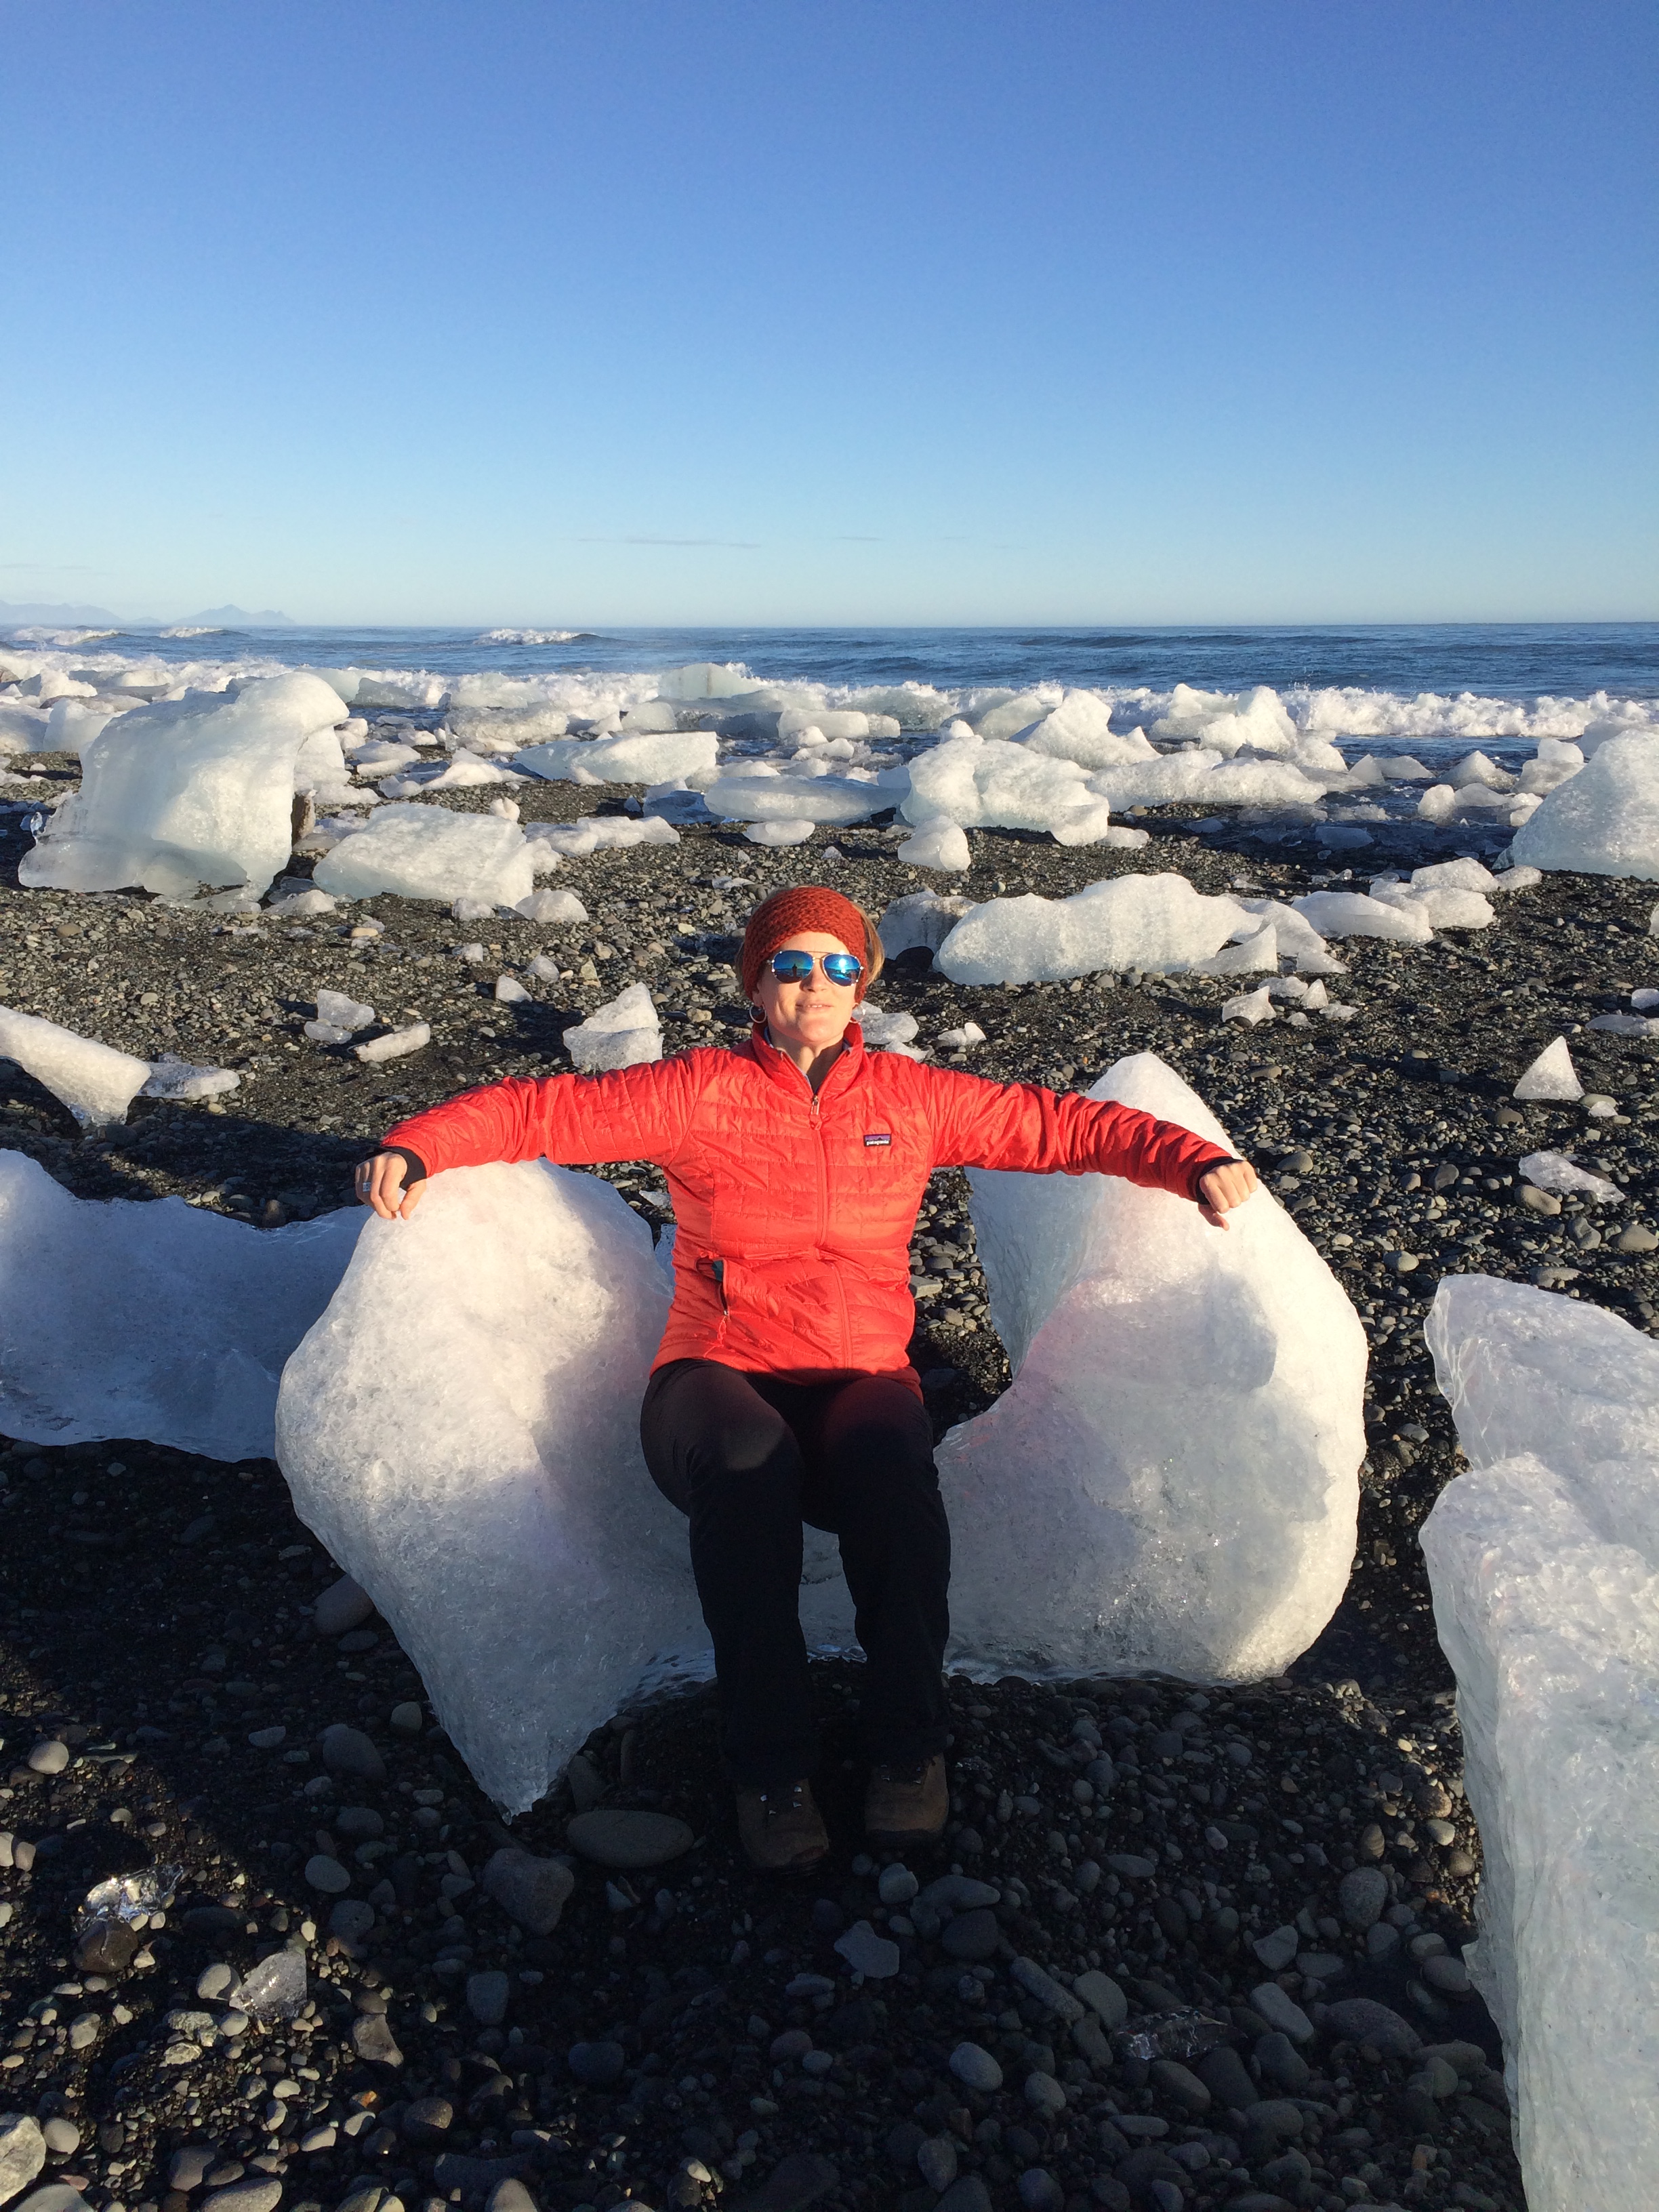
944 317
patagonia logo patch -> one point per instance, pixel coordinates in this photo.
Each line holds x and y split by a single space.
878 1137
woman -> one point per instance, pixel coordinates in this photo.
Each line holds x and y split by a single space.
782 1391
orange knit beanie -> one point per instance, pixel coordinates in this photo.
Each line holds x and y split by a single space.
806 907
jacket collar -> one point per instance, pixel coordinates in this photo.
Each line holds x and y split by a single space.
784 1072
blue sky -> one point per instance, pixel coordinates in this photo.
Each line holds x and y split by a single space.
907 312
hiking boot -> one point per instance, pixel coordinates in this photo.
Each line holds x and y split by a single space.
905 1805
781 1828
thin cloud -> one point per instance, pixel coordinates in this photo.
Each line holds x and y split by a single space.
742 544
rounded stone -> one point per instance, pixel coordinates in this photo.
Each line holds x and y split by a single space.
1449 1976
343 1606
351 1919
611 1837
974 2068
216 1982
1362 1895
326 1874
349 1752
427 2122
49 1756
256 2194
61 2136
1044 2095
897 1886
188 2166
408 1719
597 2064
533 1892
972 1936
486 1997
510 2195
1039 2191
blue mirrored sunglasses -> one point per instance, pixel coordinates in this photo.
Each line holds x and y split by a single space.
792 967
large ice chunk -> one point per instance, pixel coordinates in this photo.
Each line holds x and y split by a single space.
187 792
821 799
1205 778
1185 1427
988 782
636 757
1605 820
1543 1562
600 833
149 1317
472 1459
623 1032
940 843
1155 923
94 1081
1226 722
428 853
1351 914
922 918
1080 729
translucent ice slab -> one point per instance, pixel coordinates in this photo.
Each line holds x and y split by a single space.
1544 1561
149 1317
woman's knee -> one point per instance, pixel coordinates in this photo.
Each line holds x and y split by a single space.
709 1436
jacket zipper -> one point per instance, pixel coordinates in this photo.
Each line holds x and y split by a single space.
822 1227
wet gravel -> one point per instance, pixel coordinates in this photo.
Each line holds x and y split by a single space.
155 1615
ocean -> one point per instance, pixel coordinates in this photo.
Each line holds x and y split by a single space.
1434 685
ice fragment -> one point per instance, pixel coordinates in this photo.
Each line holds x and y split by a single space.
94 1081
1551 1076
622 1033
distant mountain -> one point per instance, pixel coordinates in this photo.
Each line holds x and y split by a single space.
239 618
65 616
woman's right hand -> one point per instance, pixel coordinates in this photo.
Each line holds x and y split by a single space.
380 1184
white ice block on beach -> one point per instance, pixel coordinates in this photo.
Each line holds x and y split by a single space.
94 1081
600 833
1154 923
921 918
1080 729
396 1044
428 853
1605 820
149 1317
472 1459
982 783
1185 1427
633 757
1352 913
1543 1562
622 1033
828 799
173 1078
1551 1076
938 843
187 792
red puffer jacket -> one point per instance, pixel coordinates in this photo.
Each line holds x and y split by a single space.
795 1210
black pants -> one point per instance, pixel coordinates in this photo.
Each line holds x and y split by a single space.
748 1459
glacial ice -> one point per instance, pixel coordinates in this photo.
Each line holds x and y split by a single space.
1605 820
428 853
1227 722
151 1318
1544 1564
1552 1076
981 783
185 791
1080 729
1556 1171
473 1459
635 756
1186 1423
1443 906
1352 913
1158 924
623 1032
548 907
396 1044
938 843
780 830
1206 779
1251 1006
173 1078
811 798
918 919
600 833
94 1081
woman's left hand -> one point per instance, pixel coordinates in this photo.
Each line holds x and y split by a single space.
1222 1188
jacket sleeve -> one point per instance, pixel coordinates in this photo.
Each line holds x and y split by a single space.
1023 1127
639 1113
